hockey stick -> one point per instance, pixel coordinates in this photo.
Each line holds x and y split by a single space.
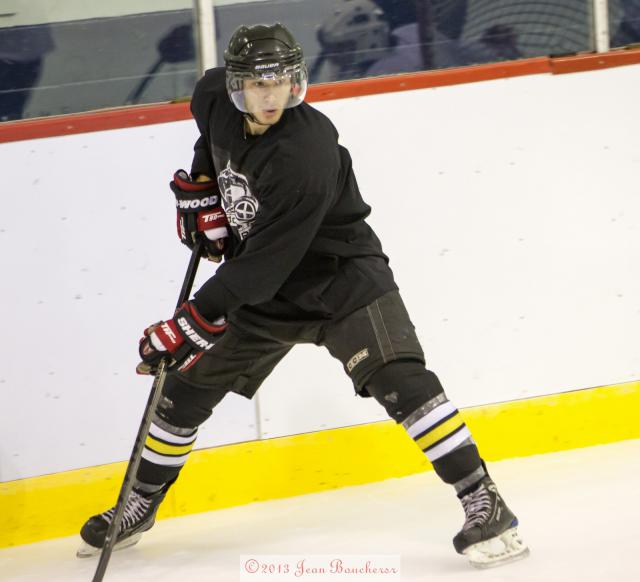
143 431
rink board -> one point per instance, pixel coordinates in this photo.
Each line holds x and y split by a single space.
56 505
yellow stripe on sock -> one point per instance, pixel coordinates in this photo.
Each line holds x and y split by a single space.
165 449
440 432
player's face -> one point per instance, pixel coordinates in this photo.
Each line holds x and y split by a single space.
266 99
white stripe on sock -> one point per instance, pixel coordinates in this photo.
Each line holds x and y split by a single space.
162 460
430 419
448 445
169 437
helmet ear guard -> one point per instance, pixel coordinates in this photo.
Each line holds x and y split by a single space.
267 52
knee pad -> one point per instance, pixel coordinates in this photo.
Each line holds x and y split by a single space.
181 410
186 406
402 386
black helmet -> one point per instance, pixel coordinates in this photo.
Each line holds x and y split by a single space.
265 52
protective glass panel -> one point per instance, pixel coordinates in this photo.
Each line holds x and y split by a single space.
350 39
624 22
65 57
79 55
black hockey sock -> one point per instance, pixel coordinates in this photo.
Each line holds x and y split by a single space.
463 468
439 431
147 488
165 452
413 396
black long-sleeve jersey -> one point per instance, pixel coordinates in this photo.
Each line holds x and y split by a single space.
301 248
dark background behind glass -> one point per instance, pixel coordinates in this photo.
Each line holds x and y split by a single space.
57 68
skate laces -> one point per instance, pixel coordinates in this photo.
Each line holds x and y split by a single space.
477 507
134 511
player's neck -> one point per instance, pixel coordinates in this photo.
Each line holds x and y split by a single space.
252 128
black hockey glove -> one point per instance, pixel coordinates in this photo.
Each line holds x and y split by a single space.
184 339
200 214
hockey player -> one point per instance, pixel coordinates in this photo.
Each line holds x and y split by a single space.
301 266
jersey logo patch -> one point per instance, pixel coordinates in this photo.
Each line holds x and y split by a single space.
240 205
357 358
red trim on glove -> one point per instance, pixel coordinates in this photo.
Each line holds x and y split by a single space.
190 361
184 182
169 335
208 219
178 226
201 321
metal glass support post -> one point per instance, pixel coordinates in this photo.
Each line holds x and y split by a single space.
205 35
601 25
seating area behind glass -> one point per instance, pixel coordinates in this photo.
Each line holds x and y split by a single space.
88 63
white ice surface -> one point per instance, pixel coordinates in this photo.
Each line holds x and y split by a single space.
579 514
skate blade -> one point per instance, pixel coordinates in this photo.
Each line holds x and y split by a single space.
87 551
503 549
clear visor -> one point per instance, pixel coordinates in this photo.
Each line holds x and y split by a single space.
268 91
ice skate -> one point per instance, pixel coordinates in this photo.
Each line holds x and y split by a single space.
139 516
489 536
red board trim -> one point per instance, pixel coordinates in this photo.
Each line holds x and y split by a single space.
167 112
593 62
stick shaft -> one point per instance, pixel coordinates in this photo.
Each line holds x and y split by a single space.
143 431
